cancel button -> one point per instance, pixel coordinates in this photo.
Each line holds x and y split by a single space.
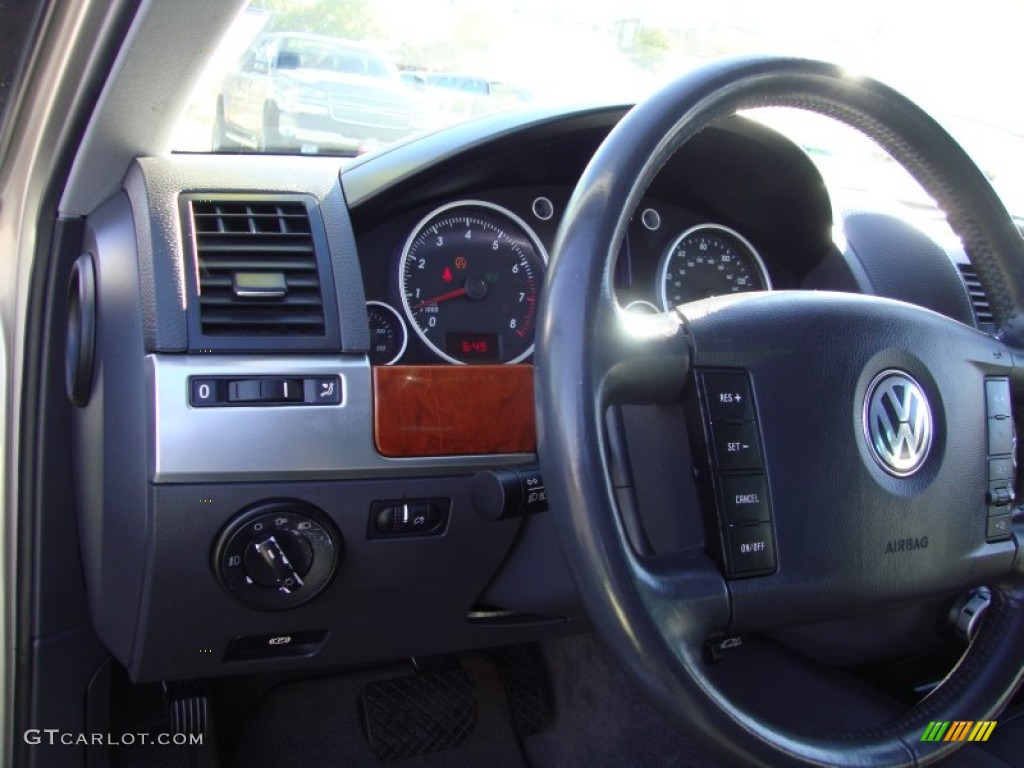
745 499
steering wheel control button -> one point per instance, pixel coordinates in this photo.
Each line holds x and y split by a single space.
408 517
1001 438
275 646
737 446
1000 493
277 554
997 398
728 397
751 549
898 423
745 499
998 528
1001 469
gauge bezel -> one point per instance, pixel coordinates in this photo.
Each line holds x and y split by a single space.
416 230
755 257
401 324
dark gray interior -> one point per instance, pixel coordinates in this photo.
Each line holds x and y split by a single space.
131 490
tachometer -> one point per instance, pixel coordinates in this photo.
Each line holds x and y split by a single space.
470 278
709 260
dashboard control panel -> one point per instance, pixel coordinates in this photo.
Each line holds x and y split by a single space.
408 517
277 555
212 392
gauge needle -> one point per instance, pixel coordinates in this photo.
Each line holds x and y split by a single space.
443 297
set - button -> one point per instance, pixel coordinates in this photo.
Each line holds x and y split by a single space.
1002 443
741 489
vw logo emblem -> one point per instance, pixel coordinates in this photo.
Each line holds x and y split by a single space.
897 423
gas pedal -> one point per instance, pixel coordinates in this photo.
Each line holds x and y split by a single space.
419 714
525 680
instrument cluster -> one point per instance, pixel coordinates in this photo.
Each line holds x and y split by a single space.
460 282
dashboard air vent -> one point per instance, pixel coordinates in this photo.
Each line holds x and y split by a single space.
257 269
982 310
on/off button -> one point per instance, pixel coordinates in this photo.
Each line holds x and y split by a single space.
751 549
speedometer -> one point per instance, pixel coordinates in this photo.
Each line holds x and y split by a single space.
709 260
470 278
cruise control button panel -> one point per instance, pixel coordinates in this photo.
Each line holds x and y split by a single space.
738 483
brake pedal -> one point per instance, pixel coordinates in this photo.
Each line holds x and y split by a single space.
419 714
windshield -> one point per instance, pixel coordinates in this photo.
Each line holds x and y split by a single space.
348 76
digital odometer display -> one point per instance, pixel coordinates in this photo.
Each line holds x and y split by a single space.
470 278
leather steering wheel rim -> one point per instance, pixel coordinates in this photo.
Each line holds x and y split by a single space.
656 614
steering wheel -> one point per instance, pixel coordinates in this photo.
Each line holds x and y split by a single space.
873 419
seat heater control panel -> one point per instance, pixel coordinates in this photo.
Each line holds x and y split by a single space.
738 476
1002 462
226 391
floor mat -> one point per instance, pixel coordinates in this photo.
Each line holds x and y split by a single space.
317 723
601 718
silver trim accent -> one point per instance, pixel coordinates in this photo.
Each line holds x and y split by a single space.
401 325
651 219
667 256
899 448
253 294
290 442
537 244
543 208
633 306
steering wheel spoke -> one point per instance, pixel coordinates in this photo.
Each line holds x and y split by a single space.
639 359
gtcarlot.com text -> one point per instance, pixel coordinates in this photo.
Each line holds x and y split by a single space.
55 736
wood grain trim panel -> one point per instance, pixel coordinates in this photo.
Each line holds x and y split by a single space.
453 410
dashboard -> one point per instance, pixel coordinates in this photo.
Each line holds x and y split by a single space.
312 414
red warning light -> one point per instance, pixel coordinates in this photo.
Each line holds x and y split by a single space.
447 275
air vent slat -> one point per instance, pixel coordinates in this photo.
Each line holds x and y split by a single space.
979 300
228 300
256 237
246 264
244 247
